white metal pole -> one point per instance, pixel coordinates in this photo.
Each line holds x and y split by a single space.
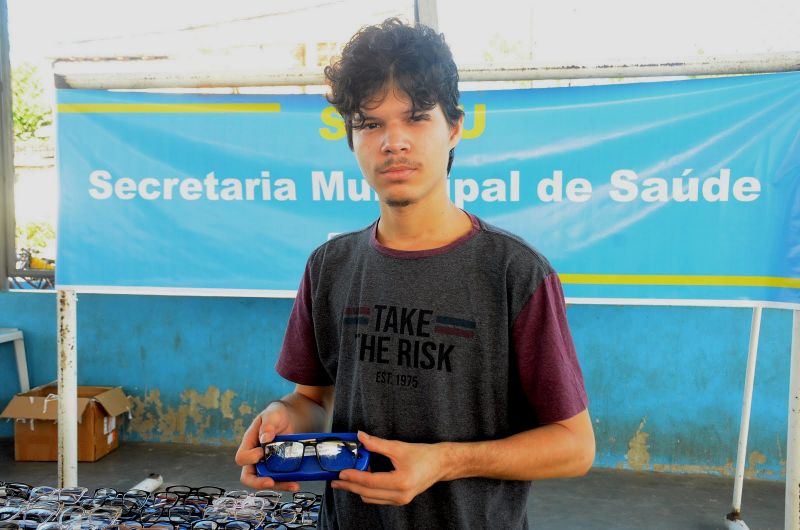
744 428
426 12
7 253
67 389
130 75
792 509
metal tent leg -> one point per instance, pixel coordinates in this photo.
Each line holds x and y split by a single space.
734 519
792 507
67 390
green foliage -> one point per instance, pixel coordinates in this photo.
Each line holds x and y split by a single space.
35 236
31 110
501 50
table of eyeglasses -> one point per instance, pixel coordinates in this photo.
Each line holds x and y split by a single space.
25 507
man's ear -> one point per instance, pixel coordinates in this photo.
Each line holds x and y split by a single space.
456 131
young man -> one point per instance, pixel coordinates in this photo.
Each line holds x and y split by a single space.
445 338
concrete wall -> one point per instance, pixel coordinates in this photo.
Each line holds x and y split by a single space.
665 384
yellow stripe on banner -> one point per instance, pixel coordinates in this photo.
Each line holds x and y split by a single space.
664 279
86 108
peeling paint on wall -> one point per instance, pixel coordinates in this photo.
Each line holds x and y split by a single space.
190 421
238 429
727 470
225 404
245 417
638 451
753 460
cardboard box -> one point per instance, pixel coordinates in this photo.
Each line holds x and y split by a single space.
36 431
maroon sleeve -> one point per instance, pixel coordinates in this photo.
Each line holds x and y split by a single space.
548 366
299 359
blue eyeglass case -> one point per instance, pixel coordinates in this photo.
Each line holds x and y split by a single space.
309 467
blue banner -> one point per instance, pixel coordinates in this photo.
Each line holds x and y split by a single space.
669 190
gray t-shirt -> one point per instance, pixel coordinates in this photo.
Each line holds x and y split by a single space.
466 342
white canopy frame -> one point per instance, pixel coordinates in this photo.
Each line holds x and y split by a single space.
7 257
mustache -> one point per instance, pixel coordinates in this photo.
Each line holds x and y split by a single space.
401 161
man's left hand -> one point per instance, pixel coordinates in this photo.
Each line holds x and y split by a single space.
417 467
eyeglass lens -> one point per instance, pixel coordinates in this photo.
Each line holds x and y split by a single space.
333 455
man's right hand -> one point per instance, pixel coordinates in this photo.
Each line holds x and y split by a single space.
272 421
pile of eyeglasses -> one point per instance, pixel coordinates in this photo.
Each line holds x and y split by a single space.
23 507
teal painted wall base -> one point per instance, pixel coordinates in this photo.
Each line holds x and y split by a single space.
665 383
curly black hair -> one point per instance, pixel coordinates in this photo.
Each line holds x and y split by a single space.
414 58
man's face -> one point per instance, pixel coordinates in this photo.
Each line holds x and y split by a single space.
402 154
